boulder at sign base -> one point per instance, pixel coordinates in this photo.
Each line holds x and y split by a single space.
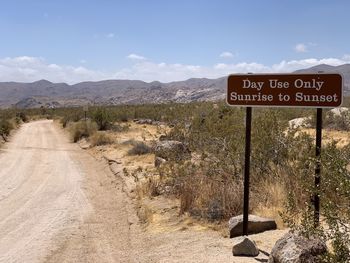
256 224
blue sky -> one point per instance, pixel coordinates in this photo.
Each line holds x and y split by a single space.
72 41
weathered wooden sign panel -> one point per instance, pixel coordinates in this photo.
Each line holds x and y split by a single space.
285 90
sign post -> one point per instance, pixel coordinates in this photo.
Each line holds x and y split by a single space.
248 125
318 90
85 109
316 199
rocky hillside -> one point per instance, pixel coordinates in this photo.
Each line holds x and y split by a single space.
112 92
342 69
45 93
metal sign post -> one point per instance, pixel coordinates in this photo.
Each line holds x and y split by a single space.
85 109
318 167
248 128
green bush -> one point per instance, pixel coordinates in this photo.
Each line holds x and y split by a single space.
139 148
334 193
22 116
205 190
103 119
82 129
119 127
100 138
5 128
338 122
64 121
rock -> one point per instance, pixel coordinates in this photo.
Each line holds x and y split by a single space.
299 122
149 122
292 248
163 137
111 160
339 111
115 168
172 150
84 144
243 246
144 121
159 161
158 123
256 225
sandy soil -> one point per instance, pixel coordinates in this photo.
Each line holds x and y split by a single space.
340 137
60 204
57 203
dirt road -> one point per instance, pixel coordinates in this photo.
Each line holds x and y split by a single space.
60 204
51 203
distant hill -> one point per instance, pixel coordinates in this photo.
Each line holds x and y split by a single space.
342 69
114 92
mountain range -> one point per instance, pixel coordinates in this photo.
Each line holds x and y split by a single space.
114 92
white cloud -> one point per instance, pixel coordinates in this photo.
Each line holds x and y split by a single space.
110 35
29 69
135 57
292 65
150 71
346 57
300 48
226 54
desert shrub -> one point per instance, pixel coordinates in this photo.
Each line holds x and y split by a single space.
139 148
103 119
334 193
82 129
337 122
5 128
333 121
205 190
64 121
119 127
123 118
100 138
22 116
270 145
69 115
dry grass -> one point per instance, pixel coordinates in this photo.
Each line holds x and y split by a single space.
139 148
270 201
209 197
100 138
81 129
145 214
341 137
140 132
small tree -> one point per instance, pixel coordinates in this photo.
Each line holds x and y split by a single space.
21 115
102 118
5 129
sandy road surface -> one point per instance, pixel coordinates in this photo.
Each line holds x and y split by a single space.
47 212
39 192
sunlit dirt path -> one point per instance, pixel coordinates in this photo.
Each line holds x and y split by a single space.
52 205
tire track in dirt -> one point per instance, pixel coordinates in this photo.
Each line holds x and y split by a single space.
53 206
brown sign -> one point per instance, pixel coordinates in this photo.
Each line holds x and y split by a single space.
288 90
